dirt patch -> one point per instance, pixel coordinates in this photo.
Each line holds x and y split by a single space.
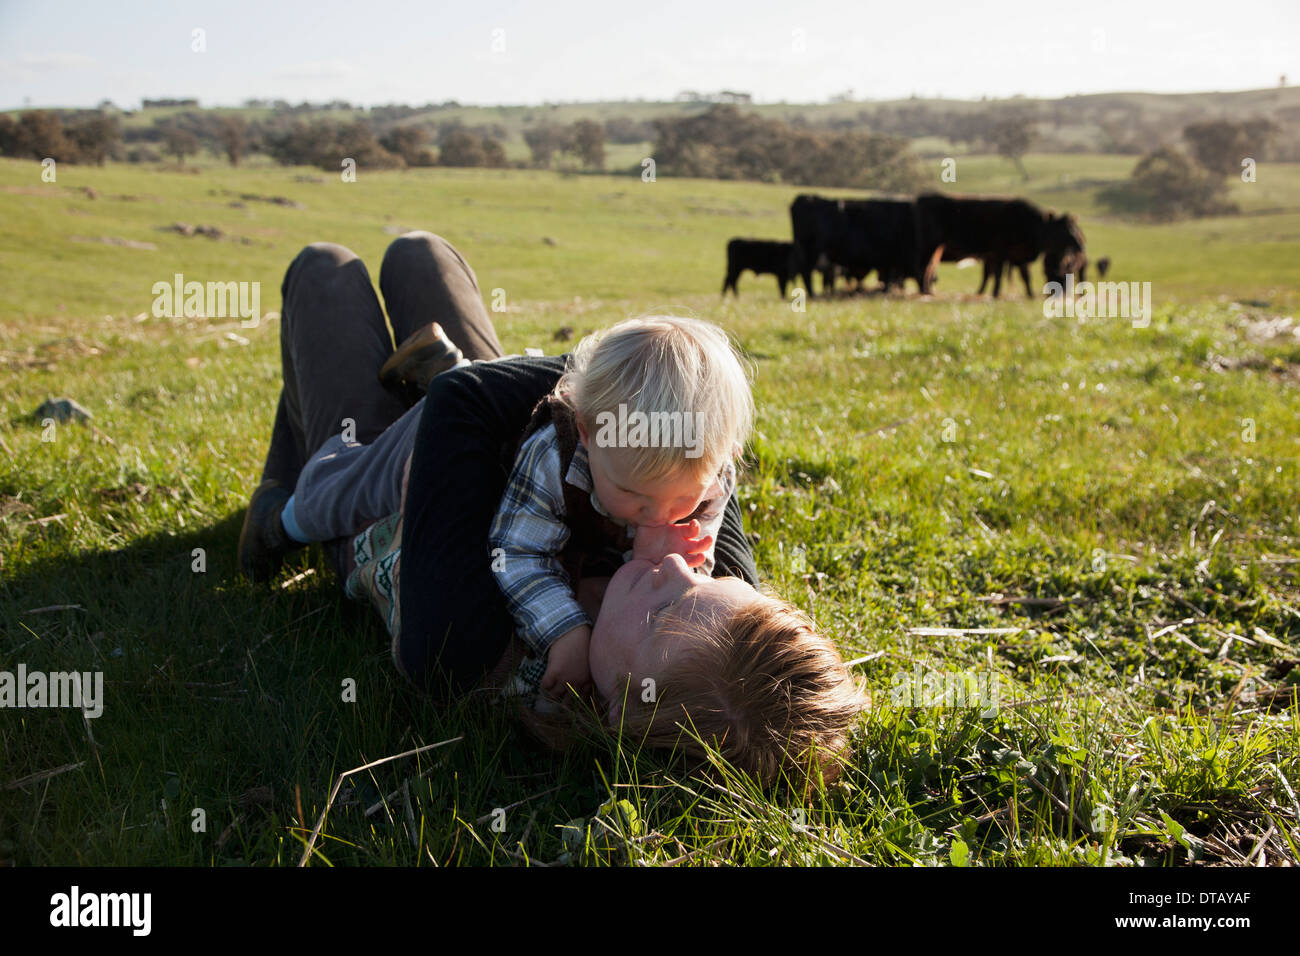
1281 366
48 354
273 200
46 191
135 491
116 241
208 232
11 507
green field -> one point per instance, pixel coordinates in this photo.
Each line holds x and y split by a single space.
1102 519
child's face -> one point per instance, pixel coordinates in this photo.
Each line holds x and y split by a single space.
635 500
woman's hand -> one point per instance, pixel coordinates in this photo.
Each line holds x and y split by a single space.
656 542
566 663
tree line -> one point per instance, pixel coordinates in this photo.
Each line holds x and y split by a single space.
721 142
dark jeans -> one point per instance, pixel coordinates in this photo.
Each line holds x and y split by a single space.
333 341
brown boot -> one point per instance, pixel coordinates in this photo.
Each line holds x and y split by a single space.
263 542
424 354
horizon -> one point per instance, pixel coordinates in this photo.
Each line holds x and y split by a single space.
668 101
505 53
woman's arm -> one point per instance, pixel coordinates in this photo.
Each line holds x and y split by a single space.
454 620
455 623
591 591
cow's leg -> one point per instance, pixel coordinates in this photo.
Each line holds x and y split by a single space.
931 271
730 283
828 281
984 278
1024 274
806 271
782 281
997 279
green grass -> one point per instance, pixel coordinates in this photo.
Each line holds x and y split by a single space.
919 468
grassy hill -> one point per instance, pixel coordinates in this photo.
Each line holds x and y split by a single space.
1100 516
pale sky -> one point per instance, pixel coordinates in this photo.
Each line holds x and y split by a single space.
531 51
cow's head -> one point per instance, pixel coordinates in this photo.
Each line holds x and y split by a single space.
1064 249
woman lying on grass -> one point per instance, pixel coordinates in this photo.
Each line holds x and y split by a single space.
403 490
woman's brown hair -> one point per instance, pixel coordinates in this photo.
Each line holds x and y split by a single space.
761 686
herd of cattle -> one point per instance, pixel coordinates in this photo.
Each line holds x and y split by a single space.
901 239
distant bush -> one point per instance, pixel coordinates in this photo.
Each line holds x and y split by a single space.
409 142
622 129
143 154
233 136
86 137
181 143
464 148
724 143
1220 145
579 145
1166 185
326 144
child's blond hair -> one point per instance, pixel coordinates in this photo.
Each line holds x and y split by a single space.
664 365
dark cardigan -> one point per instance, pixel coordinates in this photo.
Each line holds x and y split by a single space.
455 623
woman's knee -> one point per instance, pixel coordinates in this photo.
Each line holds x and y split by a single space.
317 262
421 249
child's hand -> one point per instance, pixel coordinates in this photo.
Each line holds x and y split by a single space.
656 542
566 662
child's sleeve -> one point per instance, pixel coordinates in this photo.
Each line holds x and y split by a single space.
525 541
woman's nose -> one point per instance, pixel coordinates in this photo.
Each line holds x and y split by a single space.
674 566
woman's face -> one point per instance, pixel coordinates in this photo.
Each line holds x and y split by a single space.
630 639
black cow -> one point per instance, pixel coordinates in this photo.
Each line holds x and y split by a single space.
859 236
760 256
815 222
1002 233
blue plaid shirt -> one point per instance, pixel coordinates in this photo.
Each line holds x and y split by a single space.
529 533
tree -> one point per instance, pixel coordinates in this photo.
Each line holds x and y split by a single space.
544 141
8 135
461 148
357 141
94 137
1012 137
181 143
39 134
587 139
1220 145
407 142
1166 185
232 134
724 143
464 148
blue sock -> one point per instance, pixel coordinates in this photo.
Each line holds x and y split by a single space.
290 523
